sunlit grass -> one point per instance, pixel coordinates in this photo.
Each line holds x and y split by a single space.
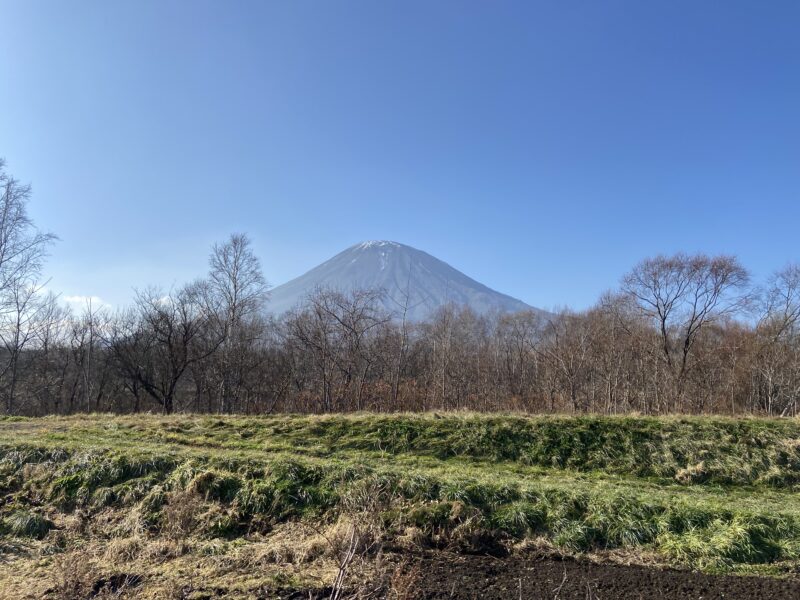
710 493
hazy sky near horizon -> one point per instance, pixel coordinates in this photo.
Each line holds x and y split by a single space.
540 147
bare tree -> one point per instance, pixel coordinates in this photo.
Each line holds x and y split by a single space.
777 356
92 368
49 360
158 341
18 330
234 294
333 338
22 247
518 336
569 340
22 251
682 294
402 349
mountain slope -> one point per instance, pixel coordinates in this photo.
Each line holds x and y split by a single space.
397 269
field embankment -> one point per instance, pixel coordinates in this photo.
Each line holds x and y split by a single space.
199 506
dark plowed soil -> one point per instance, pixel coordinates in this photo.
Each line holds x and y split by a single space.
486 578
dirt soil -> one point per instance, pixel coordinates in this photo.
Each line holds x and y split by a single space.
467 577
470 577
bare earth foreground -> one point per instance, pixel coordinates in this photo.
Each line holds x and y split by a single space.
474 577
399 506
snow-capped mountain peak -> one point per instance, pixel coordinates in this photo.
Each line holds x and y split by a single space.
377 244
400 271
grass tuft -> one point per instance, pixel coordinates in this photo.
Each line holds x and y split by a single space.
25 524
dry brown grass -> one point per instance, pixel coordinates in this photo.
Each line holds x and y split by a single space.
403 582
124 550
181 513
72 577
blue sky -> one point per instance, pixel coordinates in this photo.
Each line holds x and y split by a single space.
541 147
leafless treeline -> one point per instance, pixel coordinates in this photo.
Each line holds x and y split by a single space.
680 334
683 334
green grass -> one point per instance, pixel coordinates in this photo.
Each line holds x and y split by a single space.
25 524
710 493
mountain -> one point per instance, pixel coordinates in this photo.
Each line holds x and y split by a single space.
395 268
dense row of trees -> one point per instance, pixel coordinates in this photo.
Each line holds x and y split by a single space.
681 334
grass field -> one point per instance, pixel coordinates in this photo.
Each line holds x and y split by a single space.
177 506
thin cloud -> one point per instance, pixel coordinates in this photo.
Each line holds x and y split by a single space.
78 301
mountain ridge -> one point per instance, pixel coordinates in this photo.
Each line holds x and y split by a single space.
398 269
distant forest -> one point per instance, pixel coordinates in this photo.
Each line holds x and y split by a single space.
681 334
